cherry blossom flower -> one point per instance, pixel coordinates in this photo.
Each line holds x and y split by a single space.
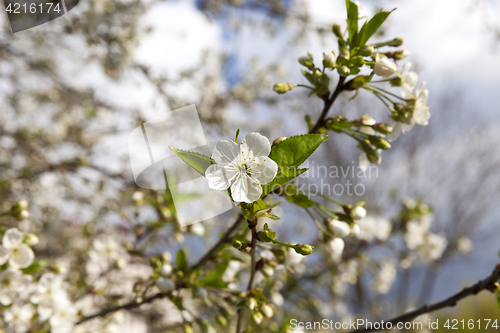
13 250
242 167
12 282
49 291
107 251
64 318
18 317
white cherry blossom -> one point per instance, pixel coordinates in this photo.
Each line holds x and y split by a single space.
64 318
13 250
12 283
18 317
107 251
49 292
242 167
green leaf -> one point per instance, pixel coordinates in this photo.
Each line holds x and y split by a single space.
197 161
283 176
370 28
181 260
293 151
214 278
352 20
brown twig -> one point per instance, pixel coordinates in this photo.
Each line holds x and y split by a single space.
241 311
328 105
486 284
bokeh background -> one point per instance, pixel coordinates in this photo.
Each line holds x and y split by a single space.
73 89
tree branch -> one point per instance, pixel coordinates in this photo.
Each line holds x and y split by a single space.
328 105
252 225
203 260
486 284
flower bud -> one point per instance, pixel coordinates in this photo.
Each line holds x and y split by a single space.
20 205
165 285
367 120
380 143
282 88
329 59
278 140
257 317
267 310
32 239
344 54
344 71
340 229
307 61
366 50
221 320
252 303
317 74
137 196
303 249
167 257
358 61
268 271
263 237
237 244
165 270
385 68
396 42
383 128
337 31
373 157
358 213
355 230
401 54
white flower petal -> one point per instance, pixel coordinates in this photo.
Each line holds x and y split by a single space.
245 190
225 151
22 257
421 115
364 163
263 169
218 178
12 238
255 144
4 255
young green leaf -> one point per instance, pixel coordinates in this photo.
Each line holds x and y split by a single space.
181 260
214 278
370 28
293 151
197 161
352 20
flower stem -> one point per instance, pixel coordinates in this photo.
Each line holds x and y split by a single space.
241 311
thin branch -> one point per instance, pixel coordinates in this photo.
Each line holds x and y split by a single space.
203 260
486 284
128 306
252 225
227 236
328 105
